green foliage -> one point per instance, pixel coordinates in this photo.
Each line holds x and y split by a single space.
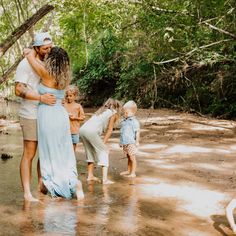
99 79
118 48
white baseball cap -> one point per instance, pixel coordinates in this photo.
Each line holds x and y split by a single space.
41 39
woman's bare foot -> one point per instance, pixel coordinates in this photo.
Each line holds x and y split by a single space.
30 198
130 175
79 191
79 195
234 229
107 181
125 172
93 178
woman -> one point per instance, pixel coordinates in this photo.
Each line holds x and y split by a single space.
102 122
56 154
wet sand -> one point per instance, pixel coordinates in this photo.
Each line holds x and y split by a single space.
185 178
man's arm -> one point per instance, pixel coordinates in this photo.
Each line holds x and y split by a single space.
22 91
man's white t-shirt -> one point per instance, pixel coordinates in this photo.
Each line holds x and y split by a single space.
26 75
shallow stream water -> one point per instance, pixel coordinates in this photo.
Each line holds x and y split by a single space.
106 210
185 179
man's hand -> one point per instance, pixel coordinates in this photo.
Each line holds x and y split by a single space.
48 99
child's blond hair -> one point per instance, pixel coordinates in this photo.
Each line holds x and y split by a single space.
74 89
131 105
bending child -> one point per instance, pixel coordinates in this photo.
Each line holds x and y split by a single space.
129 137
75 111
90 133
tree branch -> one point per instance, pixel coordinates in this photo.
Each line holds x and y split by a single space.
202 22
6 74
10 40
218 29
191 52
185 13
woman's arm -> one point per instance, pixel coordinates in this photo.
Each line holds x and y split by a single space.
38 66
110 128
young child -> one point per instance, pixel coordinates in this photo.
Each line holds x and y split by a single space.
129 137
75 111
102 122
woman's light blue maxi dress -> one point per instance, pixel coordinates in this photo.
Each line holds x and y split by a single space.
56 154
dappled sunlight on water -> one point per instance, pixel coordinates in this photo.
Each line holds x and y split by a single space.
159 164
172 194
206 127
201 202
153 146
185 149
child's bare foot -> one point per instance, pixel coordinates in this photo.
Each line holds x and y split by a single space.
125 172
107 181
30 198
93 178
130 175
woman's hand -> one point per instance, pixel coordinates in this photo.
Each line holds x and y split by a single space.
28 51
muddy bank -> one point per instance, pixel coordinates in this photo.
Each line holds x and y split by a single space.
185 178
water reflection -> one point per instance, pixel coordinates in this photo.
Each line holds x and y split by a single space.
9 109
129 220
50 217
60 217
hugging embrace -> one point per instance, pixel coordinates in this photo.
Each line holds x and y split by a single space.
52 124
40 81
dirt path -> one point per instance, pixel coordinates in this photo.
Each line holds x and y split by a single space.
185 178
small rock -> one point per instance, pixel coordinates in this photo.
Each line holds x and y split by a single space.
5 156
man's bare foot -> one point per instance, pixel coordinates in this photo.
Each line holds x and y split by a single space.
107 181
125 172
30 198
131 175
93 178
42 188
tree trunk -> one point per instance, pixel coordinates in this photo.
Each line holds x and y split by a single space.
9 41
6 74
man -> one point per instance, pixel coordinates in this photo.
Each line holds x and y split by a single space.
26 87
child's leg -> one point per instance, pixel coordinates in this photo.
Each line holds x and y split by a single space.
128 171
229 214
74 146
105 180
133 166
90 172
79 191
